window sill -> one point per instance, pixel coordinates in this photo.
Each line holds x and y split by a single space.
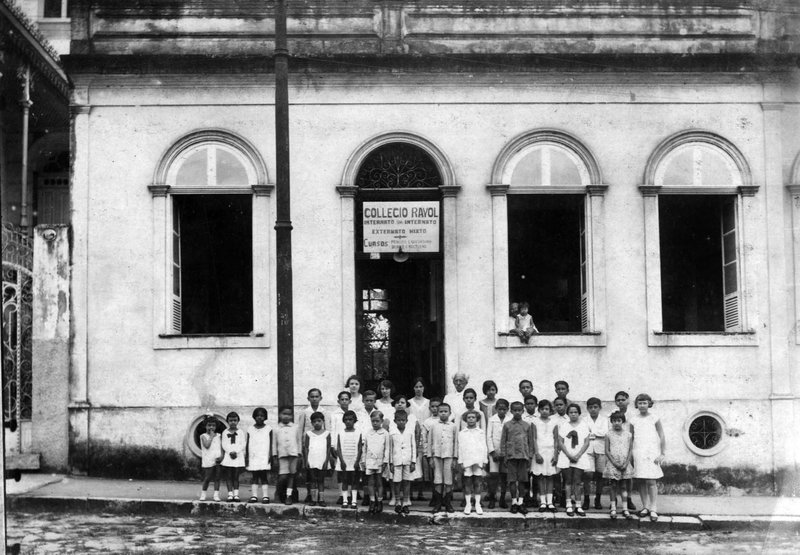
564 339
702 339
253 340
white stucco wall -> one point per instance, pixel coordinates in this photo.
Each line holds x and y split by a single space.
619 118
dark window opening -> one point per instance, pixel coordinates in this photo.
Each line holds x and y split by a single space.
214 262
52 8
546 259
699 280
375 340
705 432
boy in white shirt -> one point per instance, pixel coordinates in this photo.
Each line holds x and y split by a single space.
497 466
598 430
402 461
472 455
375 450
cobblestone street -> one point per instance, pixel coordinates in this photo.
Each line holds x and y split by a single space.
46 532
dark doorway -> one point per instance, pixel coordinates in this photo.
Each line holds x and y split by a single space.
399 323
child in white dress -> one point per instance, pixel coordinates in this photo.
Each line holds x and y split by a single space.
573 441
649 447
544 459
472 457
233 446
316 454
211 455
257 453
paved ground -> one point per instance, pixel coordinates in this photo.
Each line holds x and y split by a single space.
46 532
35 485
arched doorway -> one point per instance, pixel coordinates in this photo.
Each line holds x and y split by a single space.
399 268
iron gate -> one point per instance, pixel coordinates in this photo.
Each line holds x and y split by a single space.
17 327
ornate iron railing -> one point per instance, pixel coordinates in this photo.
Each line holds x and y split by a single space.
17 327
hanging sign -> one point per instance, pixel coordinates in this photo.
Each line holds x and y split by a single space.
409 225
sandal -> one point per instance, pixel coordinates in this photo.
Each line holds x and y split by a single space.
643 513
627 514
253 499
653 516
580 511
613 514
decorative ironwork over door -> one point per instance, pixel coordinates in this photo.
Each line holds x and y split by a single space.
17 327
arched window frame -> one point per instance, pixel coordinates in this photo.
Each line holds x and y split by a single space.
744 191
164 190
594 189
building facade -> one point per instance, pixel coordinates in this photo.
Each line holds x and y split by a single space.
627 169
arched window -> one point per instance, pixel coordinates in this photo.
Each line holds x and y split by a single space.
552 229
211 182
696 182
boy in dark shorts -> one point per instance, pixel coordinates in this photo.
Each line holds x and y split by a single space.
516 447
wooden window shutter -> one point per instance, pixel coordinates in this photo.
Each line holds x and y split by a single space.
730 267
176 320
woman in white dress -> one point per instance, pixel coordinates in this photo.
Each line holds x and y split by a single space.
353 385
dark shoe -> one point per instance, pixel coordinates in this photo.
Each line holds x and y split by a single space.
265 500
289 500
503 504
437 502
597 504
311 503
570 511
308 498
523 510
448 503
406 509
372 505
631 506
514 510
542 508
253 499
365 502
552 508
321 503
379 507
492 503
585 504
340 500
398 509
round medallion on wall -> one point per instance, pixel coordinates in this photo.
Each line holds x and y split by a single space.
704 433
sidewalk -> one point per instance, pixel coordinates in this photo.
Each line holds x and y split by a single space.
57 492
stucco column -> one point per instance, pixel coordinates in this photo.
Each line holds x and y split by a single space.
451 338
500 257
79 298
652 258
348 323
794 191
775 197
79 146
51 316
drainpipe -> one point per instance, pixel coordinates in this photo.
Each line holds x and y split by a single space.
25 103
283 223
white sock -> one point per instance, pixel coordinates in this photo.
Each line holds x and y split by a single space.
519 500
468 498
236 493
477 499
254 490
288 492
549 498
265 490
543 499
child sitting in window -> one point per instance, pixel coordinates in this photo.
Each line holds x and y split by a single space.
524 323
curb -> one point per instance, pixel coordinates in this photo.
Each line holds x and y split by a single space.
532 521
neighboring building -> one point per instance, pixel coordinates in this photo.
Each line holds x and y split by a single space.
628 169
34 190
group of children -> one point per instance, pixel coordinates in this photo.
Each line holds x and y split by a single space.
386 443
